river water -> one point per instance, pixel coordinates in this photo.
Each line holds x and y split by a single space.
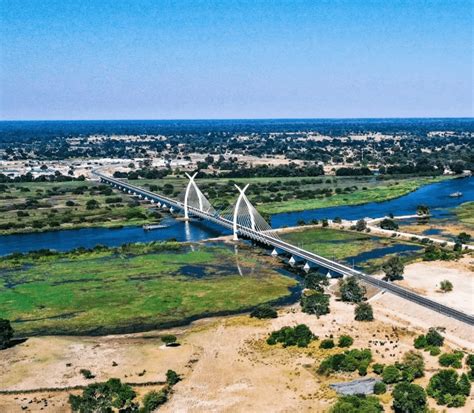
436 196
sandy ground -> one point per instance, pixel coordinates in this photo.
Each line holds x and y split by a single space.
225 362
425 277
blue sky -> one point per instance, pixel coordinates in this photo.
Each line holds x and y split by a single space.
154 59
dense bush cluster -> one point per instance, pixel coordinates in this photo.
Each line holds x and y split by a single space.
448 388
299 336
350 360
264 311
315 303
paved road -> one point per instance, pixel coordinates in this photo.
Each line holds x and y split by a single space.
311 258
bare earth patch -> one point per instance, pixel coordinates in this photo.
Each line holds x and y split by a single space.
225 362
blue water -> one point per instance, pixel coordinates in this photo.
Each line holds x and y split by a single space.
436 196
66 240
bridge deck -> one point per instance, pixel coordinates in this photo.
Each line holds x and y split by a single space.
310 257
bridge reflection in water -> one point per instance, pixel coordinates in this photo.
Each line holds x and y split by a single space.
245 221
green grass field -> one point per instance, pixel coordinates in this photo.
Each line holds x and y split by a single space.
465 213
377 193
341 245
103 292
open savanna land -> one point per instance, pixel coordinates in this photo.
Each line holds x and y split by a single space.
42 206
285 194
225 362
104 291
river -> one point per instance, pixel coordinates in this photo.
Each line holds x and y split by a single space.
436 196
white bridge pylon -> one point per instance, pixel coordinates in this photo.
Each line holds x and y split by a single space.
193 197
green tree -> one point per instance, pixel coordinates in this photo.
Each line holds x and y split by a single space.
351 290
464 238
423 210
389 224
380 387
414 360
360 225
391 374
6 333
393 268
357 404
363 312
315 281
316 303
448 388
104 398
409 398
434 338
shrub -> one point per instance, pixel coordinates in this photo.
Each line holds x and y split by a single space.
378 368
391 374
92 204
448 388
86 373
172 377
434 338
169 340
357 404
264 311
314 281
299 336
316 303
446 286
420 342
363 312
351 290
380 388
408 397
434 351
388 224
414 361
451 359
345 341
153 400
326 344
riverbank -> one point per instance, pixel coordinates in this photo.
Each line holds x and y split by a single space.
361 196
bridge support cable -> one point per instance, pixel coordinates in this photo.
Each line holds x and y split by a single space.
247 220
193 198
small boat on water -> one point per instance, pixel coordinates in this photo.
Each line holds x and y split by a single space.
149 227
455 194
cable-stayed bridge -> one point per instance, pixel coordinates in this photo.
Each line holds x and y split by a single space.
244 221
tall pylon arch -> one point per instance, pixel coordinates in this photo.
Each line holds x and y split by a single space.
242 197
191 184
